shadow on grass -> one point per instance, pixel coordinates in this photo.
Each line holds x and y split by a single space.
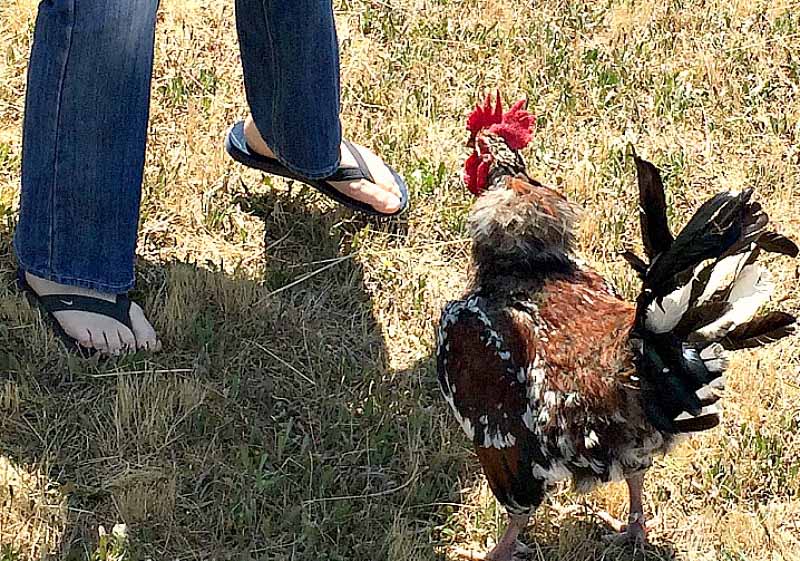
270 427
583 539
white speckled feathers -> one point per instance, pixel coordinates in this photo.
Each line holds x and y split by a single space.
544 375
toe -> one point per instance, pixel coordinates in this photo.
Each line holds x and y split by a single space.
390 187
633 536
381 173
381 199
98 342
370 193
108 337
616 524
145 337
150 345
126 341
85 341
117 341
108 345
520 549
384 194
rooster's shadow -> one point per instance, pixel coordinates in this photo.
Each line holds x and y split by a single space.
586 539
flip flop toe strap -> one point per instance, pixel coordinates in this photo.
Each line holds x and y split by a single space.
119 310
349 173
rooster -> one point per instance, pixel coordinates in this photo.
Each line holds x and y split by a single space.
551 374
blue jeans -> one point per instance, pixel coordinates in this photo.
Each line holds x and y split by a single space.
86 115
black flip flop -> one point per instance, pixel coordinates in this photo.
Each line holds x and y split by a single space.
119 310
236 146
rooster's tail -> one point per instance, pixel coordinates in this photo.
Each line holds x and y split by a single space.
700 295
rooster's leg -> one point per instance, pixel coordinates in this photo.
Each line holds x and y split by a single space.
635 532
636 529
508 545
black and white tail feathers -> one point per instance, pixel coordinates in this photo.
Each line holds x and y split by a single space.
700 294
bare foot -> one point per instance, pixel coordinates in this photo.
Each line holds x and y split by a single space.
383 195
95 331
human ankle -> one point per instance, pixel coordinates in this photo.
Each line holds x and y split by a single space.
255 140
44 286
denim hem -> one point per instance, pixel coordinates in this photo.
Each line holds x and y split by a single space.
322 173
71 281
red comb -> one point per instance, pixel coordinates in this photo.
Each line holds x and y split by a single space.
485 115
515 126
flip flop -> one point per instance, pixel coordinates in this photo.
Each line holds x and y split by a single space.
119 310
236 146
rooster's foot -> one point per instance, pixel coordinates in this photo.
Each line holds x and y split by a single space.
515 551
634 533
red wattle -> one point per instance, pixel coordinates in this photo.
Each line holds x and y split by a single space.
471 173
483 176
476 173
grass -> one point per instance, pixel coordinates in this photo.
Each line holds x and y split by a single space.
305 422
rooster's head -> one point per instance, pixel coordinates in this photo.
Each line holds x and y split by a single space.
496 139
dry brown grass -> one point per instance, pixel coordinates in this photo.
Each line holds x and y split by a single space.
306 424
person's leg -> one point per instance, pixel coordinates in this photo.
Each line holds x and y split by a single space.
83 156
290 58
